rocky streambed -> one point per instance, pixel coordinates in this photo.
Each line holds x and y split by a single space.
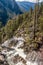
12 54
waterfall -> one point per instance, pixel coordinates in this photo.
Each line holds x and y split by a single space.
17 51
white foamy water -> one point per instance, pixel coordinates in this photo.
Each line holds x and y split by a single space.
31 63
19 63
21 53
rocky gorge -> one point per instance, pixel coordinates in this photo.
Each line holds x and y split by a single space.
12 53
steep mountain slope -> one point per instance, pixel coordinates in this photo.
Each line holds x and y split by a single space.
8 8
17 44
23 25
25 5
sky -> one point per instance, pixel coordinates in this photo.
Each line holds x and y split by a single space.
29 0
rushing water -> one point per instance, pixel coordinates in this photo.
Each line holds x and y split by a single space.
16 50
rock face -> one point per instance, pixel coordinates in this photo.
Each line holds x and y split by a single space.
3 60
14 55
40 57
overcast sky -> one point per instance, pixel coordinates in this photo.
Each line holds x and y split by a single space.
29 0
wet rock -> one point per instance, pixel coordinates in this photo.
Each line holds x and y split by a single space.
17 59
3 60
34 56
1 57
31 56
40 56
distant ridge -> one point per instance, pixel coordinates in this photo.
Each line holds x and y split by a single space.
8 9
25 5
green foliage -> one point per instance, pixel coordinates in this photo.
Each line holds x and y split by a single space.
41 24
9 28
23 25
12 25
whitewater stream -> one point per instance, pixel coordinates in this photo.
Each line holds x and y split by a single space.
16 50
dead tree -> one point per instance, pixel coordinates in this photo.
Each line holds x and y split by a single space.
36 18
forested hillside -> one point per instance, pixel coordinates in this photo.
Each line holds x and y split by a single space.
28 25
8 9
